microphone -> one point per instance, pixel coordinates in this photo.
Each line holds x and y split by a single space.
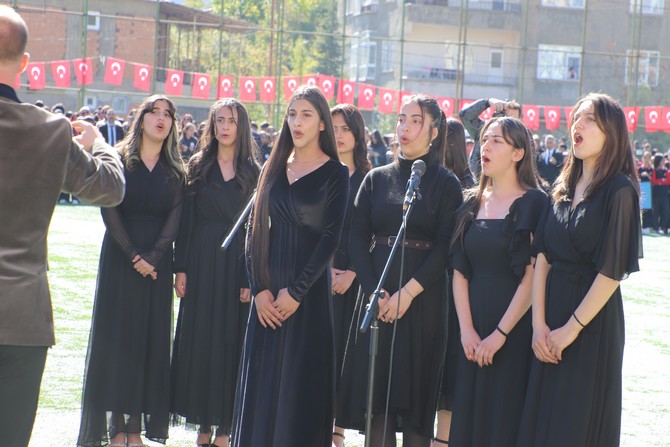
418 169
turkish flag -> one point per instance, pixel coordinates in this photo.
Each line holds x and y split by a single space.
486 114
345 92
666 119
201 85
174 82
268 89
387 100
311 80
653 119
447 105
327 85
114 71
83 71
366 96
36 76
632 117
142 78
552 117
225 87
290 85
568 112
247 89
531 116
61 73
402 96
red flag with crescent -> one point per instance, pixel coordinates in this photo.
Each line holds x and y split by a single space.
36 76
387 100
366 96
666 119
552 117
486 114
463 103
312 80
142 78
653 118
201 85
531 116
402 96
83 71
174 82
224 87
61 73
114 71
632 117
268 88
247 89
345 92
447 105
327 85
291 83
568 111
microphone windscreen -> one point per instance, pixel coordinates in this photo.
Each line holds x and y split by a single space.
419 166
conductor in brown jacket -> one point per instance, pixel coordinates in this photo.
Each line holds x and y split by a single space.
38 160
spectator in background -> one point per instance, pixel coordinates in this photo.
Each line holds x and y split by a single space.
266 146
84 112
550 162
469 146
645 170
112 130
130 118
660 185
188 143
58 108
377 149
473 124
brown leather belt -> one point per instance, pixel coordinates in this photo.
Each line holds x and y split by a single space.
409 243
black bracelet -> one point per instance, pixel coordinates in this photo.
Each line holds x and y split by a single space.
501 331
577 320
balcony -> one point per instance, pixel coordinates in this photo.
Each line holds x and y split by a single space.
438 74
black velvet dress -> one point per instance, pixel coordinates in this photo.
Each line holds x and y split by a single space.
343 305
128 361
212 320
420 343
286 389
493 258
577 402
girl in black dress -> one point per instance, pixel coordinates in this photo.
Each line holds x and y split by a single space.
286 390
492 262
588 242
417 300
127 379
213 283
456 160
349 129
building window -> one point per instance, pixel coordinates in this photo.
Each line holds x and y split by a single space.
558 62
387 56
647 6
647 67
93 23
564 3
363 61
451 54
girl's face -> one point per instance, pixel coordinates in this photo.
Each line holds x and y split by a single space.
498 155
304 122
226 126
157 123
588 139
344 137
414 132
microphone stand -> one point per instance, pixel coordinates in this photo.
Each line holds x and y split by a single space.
247 209
371 321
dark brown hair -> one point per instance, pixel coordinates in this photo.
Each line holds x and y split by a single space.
354 120
455 156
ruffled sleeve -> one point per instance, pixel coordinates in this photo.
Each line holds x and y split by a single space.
621 244
520 224
460 260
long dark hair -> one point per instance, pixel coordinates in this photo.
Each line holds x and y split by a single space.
354 120
169 155
615 157
245 164
515 133
429 106
455 156
274 168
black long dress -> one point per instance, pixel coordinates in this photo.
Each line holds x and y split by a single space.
343 305
286 389
128 361
421 333
578 401
493 258
212 320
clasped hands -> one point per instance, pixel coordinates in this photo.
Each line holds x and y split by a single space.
144 268
388 306
273 312
478 350
548 345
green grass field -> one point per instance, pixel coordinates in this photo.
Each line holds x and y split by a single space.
74 245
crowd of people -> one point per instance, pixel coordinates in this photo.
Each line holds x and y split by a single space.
501 318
